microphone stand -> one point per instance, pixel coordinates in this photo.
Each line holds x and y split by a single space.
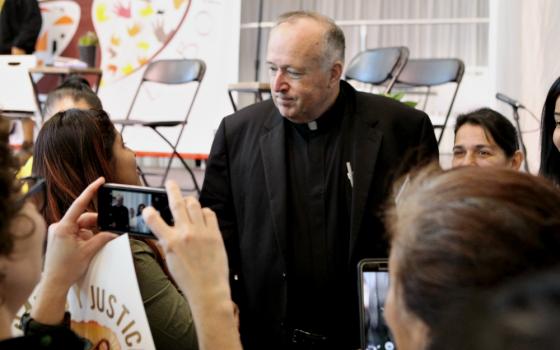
520 136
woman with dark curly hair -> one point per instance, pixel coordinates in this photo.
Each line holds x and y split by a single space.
71 246
550 134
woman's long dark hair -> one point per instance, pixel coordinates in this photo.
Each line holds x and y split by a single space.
550 156
72 150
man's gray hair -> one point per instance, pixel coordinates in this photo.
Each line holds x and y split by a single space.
334 44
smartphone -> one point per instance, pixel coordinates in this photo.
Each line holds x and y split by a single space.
119 208
373 285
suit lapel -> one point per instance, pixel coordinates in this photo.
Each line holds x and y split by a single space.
365 149
273 151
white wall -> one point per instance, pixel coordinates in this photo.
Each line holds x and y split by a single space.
525 60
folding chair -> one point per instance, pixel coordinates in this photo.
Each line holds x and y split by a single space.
169 72
431 72
379 66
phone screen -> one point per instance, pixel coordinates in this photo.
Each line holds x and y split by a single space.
374 288
120 208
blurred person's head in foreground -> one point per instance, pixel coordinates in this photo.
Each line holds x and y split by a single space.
522 315
457 232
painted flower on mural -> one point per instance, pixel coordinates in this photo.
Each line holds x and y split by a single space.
132 32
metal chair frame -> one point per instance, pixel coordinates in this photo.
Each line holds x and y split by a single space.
169 72
430 72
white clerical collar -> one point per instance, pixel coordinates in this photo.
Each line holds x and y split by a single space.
312 125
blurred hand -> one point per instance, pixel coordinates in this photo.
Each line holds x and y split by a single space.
194 248
71 242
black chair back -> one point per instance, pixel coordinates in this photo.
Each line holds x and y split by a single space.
379 66
429 72
180 71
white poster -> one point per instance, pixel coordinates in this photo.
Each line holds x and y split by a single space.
106 306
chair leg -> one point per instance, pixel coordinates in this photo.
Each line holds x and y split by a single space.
185 165
142 176
441 135
176 154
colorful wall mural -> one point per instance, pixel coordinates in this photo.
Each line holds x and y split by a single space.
134 32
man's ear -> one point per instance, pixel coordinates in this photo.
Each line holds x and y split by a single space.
517 159
336 73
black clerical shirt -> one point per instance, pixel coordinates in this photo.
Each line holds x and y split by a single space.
319 193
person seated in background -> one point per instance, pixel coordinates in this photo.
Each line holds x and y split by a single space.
522 315
74 92
459 232
71 246
74 148
486 138
550 135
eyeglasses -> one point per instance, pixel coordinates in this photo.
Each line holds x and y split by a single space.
34 189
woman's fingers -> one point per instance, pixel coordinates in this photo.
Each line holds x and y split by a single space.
156 224
95 243
82 202
87 220
176 202
211 219
194 210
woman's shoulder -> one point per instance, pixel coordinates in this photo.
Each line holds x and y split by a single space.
137 246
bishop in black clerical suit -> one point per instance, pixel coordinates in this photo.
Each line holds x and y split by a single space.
297 183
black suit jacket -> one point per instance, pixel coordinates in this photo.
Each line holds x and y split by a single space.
246 185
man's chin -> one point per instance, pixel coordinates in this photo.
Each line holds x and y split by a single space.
291 115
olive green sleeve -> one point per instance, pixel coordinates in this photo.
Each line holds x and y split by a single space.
168 311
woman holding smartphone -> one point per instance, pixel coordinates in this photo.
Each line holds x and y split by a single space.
71 246
73 149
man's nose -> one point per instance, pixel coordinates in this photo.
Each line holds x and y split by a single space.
279 82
